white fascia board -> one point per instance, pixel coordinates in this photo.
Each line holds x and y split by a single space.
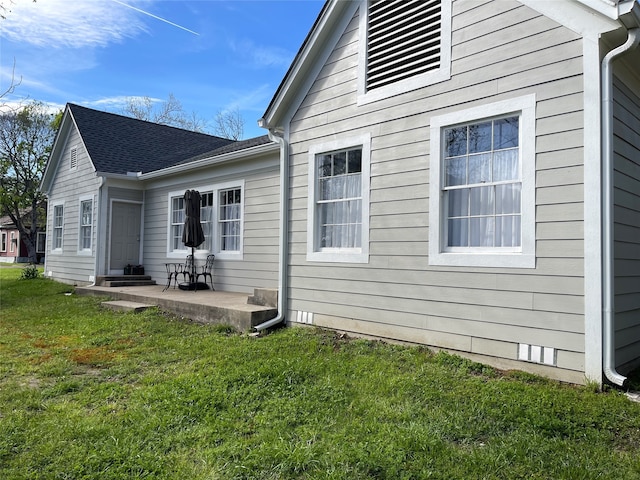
210 161
56 151
584 17
308 62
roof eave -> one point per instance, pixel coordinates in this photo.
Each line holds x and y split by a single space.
303 63
210 161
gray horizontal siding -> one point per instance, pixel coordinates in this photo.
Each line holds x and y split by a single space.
500 50
627 223
259 266
68 186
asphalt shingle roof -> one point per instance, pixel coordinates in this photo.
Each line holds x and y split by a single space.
119 144
231 147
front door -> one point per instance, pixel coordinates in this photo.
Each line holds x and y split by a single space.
126 222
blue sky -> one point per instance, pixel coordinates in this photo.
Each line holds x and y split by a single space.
212 55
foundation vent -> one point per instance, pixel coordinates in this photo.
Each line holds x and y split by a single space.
304 317
537 354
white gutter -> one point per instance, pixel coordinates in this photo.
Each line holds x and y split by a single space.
283 238
609 364
209 161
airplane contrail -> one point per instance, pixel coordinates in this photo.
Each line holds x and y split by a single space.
156 17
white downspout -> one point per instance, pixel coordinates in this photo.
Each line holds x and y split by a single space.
607 208
96 263
283 234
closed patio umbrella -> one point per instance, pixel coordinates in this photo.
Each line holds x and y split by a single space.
192 234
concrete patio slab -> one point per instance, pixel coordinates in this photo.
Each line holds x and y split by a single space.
205 306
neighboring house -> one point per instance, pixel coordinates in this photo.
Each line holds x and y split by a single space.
457 174
115 189
444 165
12 246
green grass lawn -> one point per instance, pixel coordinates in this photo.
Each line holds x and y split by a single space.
90 394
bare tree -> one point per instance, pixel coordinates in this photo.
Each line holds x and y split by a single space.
169 112
5 8
229 124
13 84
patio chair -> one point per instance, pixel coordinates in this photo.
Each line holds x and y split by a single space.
173 270
207 270
188 269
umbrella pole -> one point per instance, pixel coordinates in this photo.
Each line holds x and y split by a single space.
193 267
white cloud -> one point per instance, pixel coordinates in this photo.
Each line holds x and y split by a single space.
262 56
118 103
75 24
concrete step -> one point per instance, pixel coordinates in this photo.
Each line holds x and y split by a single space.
129 283
124 280
266 297
126 306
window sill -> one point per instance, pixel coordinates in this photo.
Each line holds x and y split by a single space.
339 257
491 260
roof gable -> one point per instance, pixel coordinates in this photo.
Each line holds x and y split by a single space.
332 19
117 144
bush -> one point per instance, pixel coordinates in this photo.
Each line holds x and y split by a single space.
29 272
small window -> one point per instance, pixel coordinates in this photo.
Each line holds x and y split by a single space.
73 158
3 242
86 225
230 219
339 202
41 242
206 220
58 213
482 204
177 223
13 242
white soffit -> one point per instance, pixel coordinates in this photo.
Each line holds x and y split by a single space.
584 17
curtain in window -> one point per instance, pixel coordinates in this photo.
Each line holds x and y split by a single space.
339 206
485 157
177 223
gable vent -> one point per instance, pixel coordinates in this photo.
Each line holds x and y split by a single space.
403 40
73 158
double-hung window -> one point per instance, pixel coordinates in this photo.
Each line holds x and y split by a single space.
206 220
221 217
482 203
13 242
3 242
58 222
229 219
339 201
86 225
176 225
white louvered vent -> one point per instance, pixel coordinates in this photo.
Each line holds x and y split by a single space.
73 158
403 40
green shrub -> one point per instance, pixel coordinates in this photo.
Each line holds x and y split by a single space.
29 272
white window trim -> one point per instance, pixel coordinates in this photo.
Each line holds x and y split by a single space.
429 78
228 255
38 236
57 251
86 198
340 255
525 107
13 242
3 241
178 253
220 255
